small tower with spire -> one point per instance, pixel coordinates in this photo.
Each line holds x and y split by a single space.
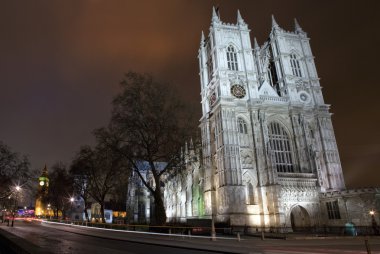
41 207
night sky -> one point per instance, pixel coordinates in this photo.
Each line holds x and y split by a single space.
61 63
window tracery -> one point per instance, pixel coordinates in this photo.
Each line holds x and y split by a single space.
280 145
232 59
295 64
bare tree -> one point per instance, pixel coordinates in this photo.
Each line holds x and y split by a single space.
60 189
79 172
152 124
14 170
101 168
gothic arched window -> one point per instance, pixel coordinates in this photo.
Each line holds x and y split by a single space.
243 132
251 195
232 59
242 126
296 69
280 145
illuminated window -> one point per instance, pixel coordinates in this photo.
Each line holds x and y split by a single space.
296 69
280 144
232 59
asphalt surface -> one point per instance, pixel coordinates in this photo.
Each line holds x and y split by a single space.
53 238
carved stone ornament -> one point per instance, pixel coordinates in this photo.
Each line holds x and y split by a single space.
212 99
238 91
304 96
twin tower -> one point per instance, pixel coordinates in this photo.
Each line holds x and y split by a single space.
269 148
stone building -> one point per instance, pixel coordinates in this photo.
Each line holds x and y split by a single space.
269 156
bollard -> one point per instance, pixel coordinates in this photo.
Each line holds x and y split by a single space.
238 236
367 246
189 233
262 235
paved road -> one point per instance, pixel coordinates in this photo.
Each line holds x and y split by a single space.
65 239
56 240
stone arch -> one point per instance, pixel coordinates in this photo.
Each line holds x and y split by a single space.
294 51
299 218
250 183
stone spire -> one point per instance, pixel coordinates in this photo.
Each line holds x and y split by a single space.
202 38
44 171
274 23
240 20
297 27
215 17
255 44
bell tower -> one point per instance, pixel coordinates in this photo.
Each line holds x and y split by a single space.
267 136
227 75
41 208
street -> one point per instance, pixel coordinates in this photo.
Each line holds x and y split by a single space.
54 238
59 241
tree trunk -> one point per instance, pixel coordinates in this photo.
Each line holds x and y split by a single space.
86 213
159 208
102 212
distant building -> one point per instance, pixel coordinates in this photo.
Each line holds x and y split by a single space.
42 208
269 156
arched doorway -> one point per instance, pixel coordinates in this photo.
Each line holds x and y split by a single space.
299 219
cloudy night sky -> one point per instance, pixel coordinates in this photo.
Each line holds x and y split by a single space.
61 63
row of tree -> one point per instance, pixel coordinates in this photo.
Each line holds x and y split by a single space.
150 124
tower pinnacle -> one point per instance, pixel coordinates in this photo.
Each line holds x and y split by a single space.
274 23
297 26
202 38
240 20
215 17
255 45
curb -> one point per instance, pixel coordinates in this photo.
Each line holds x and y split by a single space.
154 242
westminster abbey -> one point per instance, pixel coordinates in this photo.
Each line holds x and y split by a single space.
268 155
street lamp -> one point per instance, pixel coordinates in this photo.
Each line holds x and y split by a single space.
48 211
373 222
71 207
18 189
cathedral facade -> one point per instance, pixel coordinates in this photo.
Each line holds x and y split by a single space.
268 154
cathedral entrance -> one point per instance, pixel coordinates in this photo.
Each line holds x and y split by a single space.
299 219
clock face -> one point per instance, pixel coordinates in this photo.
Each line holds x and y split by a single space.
238 91
42 183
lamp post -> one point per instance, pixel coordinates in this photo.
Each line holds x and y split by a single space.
18 189
373 222
48 210
71 207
